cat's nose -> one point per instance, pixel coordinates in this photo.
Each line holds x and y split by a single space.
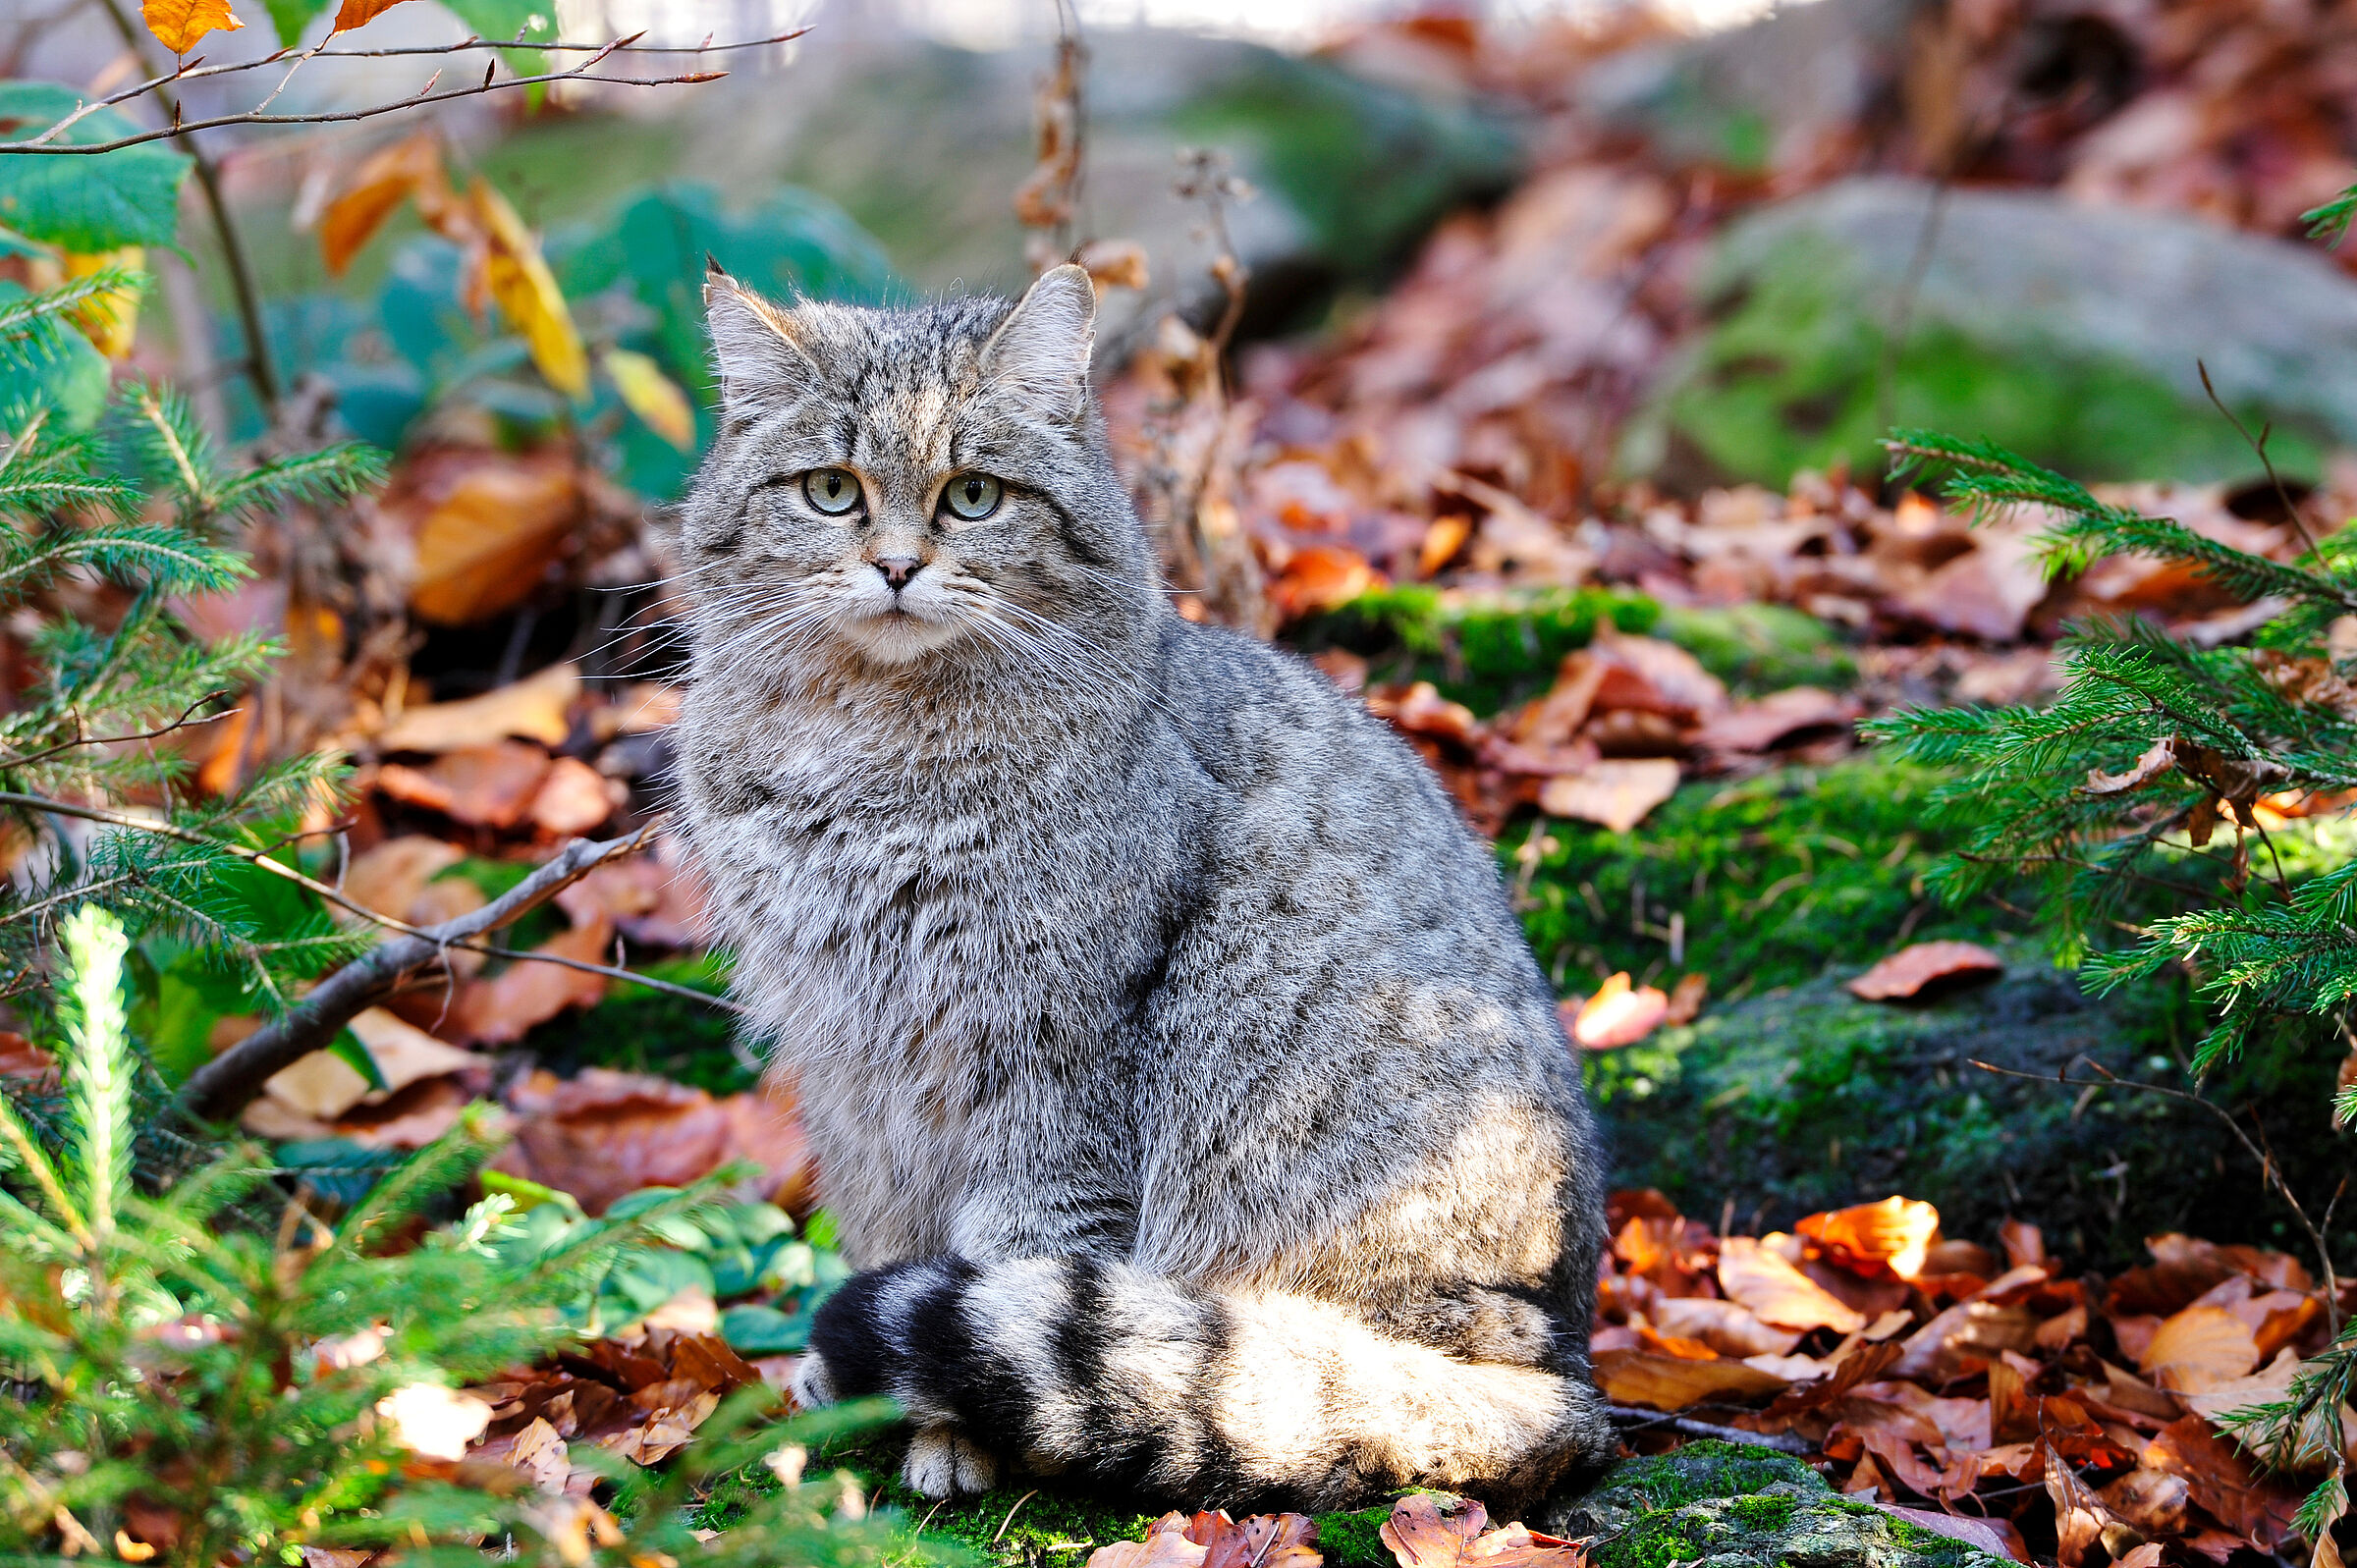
898 570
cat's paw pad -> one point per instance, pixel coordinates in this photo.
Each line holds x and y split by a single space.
814 1386
942 1464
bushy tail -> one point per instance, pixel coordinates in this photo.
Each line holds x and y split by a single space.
1096 1370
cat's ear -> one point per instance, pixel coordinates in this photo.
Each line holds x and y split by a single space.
1040 353
753 343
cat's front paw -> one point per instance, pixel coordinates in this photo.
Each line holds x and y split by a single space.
813 1387
943 1464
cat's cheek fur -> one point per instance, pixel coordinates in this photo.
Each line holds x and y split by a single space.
1180 1081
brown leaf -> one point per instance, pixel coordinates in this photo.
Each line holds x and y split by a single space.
1779 1293
1263 1540
2155 761
1166 1546
2024 1244
392 878
2152 1500
604 1134
2079 1514
1876 1239
1433 1532
1319 578
1965 1338
487 528
1673 1382
325 1086
20 1059
654 899
1726 1326
1114 264
2223 1483
1996 1537
1910 971
571 800
526 995
1686 999
1616 1015
538 706
1613 794
359 13
487 786
1780 719
2198 1349
178 24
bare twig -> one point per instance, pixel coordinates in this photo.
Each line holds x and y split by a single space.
2258 444
423 99
1784 1442
259 369
224 1085
2269 1171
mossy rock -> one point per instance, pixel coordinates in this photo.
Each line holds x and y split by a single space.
1726 1503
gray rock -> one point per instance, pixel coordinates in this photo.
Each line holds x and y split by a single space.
2071 333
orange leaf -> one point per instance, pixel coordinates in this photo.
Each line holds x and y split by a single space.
1617 1015
1433 1532
2198 1349
1673 1382
1616 793
1876 1238
1779 1293
410 167
359 13
489 530
177 24
1905 973
519 278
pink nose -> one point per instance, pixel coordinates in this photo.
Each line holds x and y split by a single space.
898 570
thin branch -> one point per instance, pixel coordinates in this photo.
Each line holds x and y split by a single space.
2269 1171
629 45
2258 444
224 1085
258 367
579 73
1784 1442
12 764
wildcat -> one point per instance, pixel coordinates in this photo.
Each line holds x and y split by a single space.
1180 1080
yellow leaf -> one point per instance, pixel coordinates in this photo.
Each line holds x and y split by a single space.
520 280
2199 1349
111 319
653 396
179 23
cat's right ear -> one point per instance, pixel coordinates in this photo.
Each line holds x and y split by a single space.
760 360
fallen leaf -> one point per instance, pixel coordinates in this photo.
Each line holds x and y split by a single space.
2222 1481
526 995
538 708
1616 1015
1318 577
2198 1349
1889 1237
2024 1244
539 1453
1660 1382
1967 1336
605 1134
2079 1515
571 800
1910 971
178 24
1996 1537
1779 1293
19 1058
1426 1530
1616 793
393 876
1686 999
1649 675
1262 1541
1166 1546
2152 1500
652 395
1779 719
325 1085
486 786
1726 1326
2270 1384
487 528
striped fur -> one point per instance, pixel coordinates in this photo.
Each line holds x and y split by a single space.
1177 1070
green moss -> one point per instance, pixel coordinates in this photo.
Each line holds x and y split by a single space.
1759 648
1787 379
1484 650
1355 1539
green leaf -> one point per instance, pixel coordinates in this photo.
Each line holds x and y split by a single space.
765 1330
347 1049
130 196
288 17
498 21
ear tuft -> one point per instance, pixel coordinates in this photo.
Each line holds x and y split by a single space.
1040 354
753 344
712 267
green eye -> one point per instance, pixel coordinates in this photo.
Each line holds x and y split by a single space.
833 491
971 496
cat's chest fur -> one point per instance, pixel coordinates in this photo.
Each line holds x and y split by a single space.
931 921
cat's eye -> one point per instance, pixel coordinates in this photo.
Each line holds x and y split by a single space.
971 496
833 491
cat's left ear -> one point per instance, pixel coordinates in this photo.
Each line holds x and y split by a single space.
1040 353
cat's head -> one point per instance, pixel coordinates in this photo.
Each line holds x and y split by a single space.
895 486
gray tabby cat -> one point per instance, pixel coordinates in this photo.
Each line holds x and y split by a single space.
1175 1068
